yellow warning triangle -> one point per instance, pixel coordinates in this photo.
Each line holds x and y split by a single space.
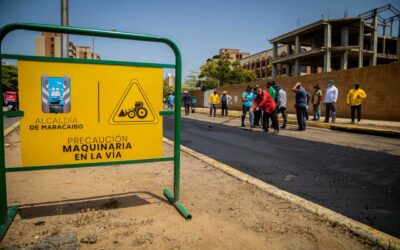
133 107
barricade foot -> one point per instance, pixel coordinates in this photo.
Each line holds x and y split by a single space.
178 205
10 217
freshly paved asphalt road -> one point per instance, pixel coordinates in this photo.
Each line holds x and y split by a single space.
359 184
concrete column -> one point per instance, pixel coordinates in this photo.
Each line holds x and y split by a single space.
279 70
275 55
288 49
345 42
374 41
275 51
274 68
345 36
297 47
328 45
398 40
384 45
344 60
296 67
361 44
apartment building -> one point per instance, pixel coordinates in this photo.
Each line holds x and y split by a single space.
49 44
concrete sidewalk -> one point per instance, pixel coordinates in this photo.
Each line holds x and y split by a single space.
371 127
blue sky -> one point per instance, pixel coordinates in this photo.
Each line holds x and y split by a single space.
200 28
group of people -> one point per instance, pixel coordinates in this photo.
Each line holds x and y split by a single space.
264 105
354 99
189 102
215 100
268 103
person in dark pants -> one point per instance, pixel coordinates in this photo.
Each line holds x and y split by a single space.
271 88
266 103
282 104
355 98
316 102
194 102
331 96
247 99
213 101
225 100
257 113
301 105
187 100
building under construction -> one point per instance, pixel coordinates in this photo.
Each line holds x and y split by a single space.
335 44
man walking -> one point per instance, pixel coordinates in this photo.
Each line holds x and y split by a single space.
331 96
213 101
316 102
355 98
187 100
266 103
225 101
301 105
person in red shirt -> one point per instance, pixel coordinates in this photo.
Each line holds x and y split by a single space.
266 103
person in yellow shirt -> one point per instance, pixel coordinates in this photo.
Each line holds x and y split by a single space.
213 101
355 98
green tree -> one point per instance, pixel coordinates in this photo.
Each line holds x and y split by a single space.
166 88
220 72
9 76
190 82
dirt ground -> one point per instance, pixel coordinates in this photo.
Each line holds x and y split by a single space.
122 207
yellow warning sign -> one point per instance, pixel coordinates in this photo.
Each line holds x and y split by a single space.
133 107
79 113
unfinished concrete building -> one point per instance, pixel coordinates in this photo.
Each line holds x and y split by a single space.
260 64
340 43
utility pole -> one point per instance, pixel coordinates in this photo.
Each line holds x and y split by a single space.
64 22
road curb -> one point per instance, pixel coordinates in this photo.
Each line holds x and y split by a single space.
8 130
338 127
361 230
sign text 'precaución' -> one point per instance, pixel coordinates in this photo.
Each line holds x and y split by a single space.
97 148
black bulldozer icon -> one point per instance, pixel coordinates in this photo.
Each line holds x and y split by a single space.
138 110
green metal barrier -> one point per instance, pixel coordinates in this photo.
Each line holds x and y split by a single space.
7 214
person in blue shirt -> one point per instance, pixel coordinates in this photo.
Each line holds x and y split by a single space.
194 101
247 98
171 101
301 105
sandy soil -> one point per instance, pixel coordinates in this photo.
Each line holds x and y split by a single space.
122 207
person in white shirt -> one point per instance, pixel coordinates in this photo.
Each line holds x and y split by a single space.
331 96
282 104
